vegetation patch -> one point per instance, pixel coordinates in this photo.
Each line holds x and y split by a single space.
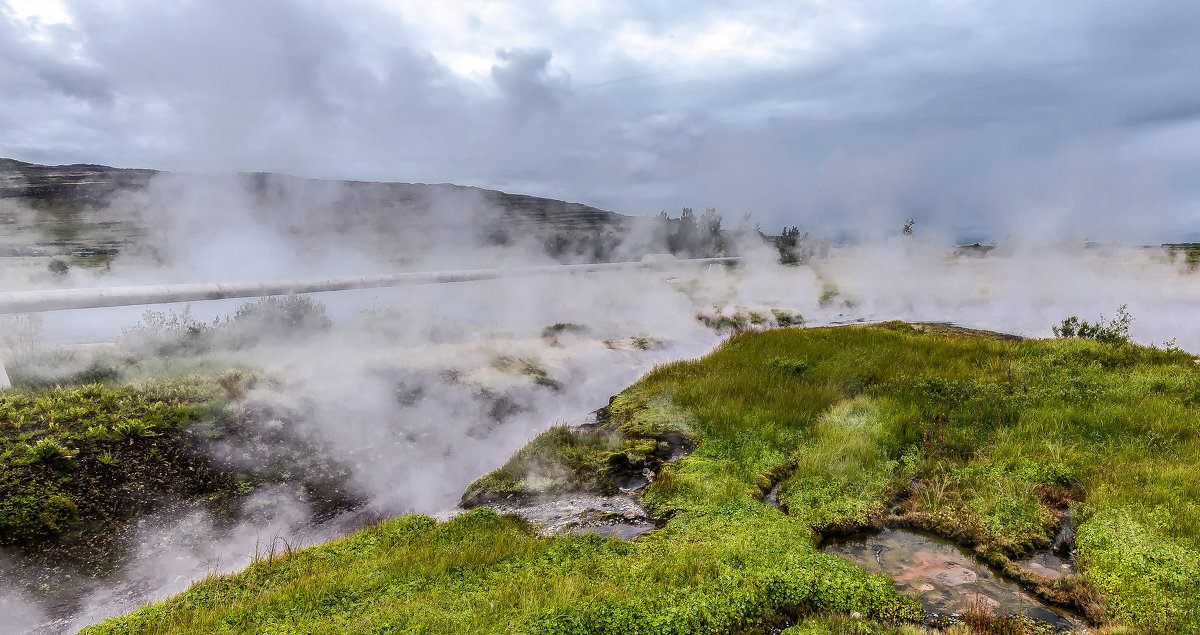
979 438
76 462
80 463
631 436
742 319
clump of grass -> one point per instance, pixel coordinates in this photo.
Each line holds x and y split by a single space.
554 331
131 429
981 620
741 319
50 452
789 366
234 384
787 317
536 372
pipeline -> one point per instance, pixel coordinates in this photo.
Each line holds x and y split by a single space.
70 299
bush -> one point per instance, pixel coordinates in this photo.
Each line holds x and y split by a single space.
180 334
276 318
292 312
1115 331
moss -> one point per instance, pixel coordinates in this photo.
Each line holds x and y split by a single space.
29 513
558 460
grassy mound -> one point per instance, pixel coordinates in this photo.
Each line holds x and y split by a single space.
983 439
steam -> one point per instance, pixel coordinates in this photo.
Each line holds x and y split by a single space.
413 393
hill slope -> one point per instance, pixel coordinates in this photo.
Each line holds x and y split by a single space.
96 211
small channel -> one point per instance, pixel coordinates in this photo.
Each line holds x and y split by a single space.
945 578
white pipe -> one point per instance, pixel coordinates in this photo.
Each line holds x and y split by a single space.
65 299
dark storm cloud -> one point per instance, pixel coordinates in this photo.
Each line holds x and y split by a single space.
1073 118
524 79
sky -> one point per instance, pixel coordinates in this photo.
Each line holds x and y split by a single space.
981 120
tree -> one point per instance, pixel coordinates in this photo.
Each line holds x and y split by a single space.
684 238
788 246
710 228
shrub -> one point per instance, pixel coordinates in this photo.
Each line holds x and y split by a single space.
1114 331
291 313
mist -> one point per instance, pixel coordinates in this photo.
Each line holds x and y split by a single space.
399 398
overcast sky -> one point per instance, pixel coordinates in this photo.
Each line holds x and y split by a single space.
981 119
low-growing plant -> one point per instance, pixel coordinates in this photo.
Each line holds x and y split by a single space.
791 366
29 513
787 317
98 433
133 429
49 452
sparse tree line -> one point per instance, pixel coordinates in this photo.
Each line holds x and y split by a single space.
686 236
692 237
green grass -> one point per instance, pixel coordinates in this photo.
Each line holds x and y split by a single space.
978 438
59 449
80 464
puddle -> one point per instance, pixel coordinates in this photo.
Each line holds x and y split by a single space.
1049 565
772 496
944 577
619 528
633 482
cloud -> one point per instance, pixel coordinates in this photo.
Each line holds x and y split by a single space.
996 118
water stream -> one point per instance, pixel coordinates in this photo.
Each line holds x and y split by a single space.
945 578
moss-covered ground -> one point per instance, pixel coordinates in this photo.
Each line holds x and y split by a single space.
979 438
81 463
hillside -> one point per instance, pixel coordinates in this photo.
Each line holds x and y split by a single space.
89 213
100 185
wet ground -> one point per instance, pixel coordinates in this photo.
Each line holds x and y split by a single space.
1049 565
615 516
946 578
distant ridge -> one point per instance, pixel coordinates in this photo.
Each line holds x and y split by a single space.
98 184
